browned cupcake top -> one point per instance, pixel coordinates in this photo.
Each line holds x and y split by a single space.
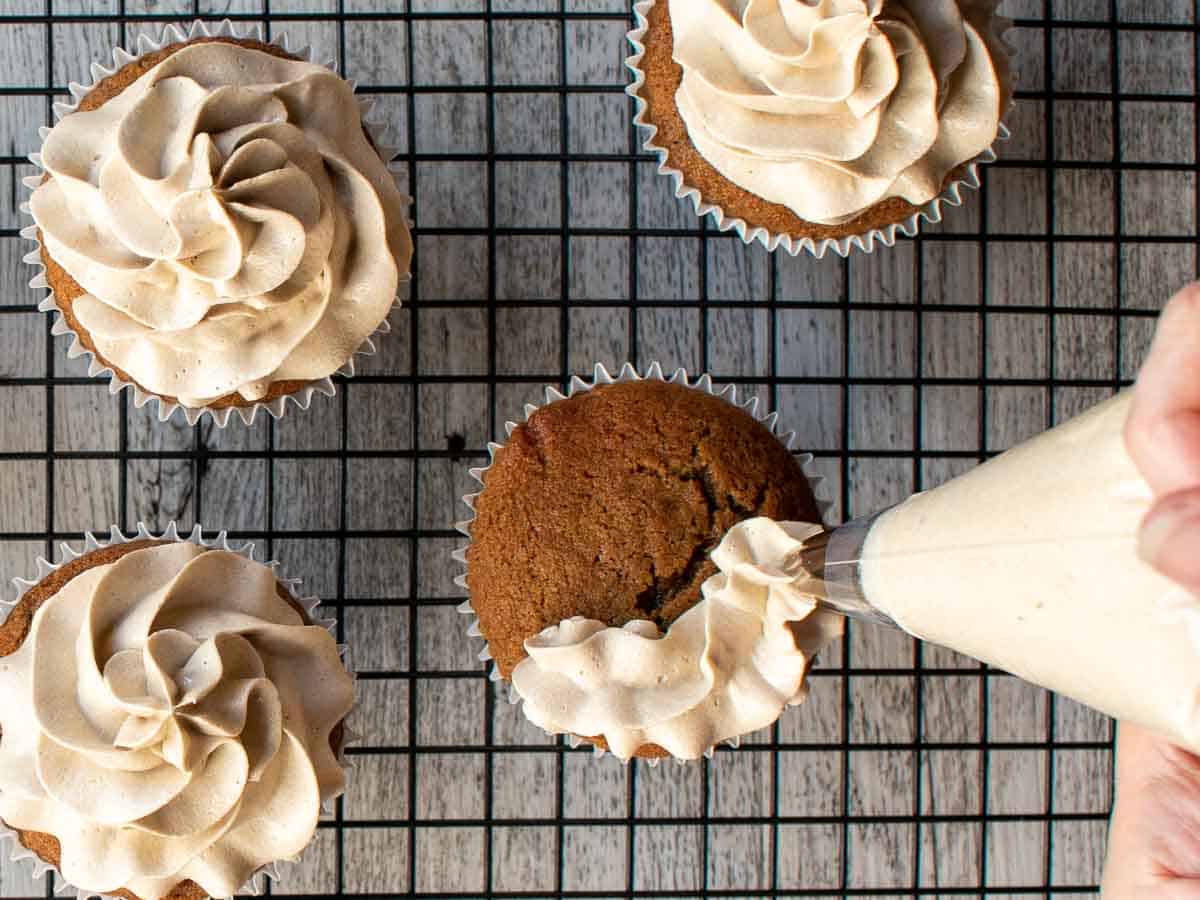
607 504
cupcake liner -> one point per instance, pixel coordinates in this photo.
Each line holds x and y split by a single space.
951 194
601 376
381 134
18 853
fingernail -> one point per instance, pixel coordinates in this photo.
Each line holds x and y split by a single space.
1171 529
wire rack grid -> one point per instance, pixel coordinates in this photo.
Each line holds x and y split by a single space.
545 242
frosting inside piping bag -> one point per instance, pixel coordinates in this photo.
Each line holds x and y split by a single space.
168 717
229 221
726 667
831 106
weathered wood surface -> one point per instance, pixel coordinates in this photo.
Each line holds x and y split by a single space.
641 828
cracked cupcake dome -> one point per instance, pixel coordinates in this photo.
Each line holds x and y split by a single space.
606 505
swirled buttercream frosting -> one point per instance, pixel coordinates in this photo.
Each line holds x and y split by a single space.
831 106
168 718
726 667
228 220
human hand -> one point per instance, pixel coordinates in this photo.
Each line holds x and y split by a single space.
1154 839
1163 436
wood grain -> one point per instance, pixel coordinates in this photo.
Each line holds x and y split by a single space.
981 330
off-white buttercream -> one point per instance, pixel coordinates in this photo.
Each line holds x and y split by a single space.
831 106
726 667
229 221
168 717
1029 562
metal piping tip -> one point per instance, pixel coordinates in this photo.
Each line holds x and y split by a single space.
831 562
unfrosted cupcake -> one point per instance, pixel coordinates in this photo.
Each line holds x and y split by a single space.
217 225
592 536
812 124
172 722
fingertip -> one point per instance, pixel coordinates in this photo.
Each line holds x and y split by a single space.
1184 306
1169 538
1162 432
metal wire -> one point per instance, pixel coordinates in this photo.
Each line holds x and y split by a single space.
563 15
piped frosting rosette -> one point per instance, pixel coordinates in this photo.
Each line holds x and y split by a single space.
726 667
828 108
232 227
173 714
698 665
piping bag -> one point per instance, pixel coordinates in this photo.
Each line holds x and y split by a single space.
1029 563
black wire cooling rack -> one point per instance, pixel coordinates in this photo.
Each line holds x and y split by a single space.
544 243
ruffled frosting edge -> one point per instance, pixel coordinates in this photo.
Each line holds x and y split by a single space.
950 195
381 134
578 384
18 853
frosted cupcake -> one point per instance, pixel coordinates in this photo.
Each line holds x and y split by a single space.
217 227
172 720
811 124
609 572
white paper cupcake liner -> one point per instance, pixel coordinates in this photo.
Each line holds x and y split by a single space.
601 376
931 212
381 134
18 853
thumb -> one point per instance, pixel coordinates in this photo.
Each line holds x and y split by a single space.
1170 538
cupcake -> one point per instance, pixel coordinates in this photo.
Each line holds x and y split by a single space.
592 537
173 719
812 124
217 226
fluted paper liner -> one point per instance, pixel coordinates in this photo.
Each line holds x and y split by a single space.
255 886
381 135
601 376
951 194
